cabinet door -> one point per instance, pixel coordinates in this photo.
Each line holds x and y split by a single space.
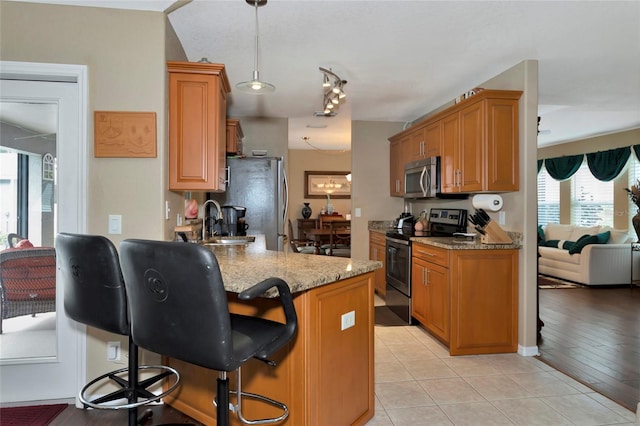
419 290
433 139
472 143
377 252
197 132
416 147
438 318
449 160
396 168
502 145
484 301
234 137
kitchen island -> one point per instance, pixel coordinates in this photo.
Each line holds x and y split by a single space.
325 374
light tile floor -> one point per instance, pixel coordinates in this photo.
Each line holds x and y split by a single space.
418 383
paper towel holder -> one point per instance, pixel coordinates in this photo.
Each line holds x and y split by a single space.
491 202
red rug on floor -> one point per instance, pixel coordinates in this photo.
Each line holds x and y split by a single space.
35 415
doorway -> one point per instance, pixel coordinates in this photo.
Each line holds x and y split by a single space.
58 375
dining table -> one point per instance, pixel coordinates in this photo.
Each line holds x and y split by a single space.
321 236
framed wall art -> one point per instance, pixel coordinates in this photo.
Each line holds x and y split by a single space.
321 184
124 134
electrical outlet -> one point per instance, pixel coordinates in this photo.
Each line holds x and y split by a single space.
348 320
113 351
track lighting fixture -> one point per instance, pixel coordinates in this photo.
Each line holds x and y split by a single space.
256 86
333 87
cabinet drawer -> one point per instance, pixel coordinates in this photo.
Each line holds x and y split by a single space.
431 254
377 238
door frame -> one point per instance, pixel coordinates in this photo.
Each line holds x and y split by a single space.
75 216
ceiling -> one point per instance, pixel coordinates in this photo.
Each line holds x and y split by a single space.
402 59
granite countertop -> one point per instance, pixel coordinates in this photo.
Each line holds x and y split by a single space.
246 265
461 243
451 243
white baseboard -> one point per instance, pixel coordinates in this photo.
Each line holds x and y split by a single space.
528 350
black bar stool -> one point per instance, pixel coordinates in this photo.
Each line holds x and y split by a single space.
181 311
94 295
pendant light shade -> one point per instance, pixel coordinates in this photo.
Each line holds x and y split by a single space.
255 86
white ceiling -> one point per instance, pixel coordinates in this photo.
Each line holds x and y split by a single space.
403 59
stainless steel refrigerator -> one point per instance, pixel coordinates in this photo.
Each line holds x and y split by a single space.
260 185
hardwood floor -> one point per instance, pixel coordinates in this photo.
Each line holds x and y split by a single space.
162 414
593 335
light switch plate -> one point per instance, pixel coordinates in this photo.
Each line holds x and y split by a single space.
115 224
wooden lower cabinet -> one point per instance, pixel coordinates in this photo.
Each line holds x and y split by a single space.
378 251
468 299
325 375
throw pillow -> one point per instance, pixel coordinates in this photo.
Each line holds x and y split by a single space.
22 244
540 235
551 243
583 241
603 237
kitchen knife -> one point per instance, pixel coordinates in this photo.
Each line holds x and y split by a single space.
480 230
480 220
472 219
484 215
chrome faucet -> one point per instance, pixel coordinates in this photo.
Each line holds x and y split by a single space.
204 218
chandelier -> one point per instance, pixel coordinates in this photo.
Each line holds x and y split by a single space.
333 92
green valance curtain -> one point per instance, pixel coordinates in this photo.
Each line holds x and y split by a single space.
636 150
540 165
606 165
562 168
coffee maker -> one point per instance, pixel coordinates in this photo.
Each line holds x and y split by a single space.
234 223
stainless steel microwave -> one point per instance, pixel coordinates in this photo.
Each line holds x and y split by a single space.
422 178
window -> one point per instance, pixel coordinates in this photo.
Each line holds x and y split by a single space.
47 167
548 198
591 199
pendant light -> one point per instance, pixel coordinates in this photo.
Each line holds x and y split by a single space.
256 86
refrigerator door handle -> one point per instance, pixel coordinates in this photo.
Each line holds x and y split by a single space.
227 170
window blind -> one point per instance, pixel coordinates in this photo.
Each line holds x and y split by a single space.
591 199
548 198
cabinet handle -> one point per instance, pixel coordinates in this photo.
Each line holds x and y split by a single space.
427 280
227 170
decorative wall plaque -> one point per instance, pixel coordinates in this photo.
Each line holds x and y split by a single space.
124 134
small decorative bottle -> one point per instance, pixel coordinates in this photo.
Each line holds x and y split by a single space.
329 205
306 211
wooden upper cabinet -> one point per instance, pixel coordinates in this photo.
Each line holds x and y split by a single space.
234 137
197 126
433 139
480 144
449 163
501 127
396 167
416 145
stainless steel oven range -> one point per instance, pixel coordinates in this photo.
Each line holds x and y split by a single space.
442 223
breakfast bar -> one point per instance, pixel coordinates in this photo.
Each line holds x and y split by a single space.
325 374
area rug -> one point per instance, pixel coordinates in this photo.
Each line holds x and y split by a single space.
387 318
34 415
545 281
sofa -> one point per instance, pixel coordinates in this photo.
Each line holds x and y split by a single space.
586 255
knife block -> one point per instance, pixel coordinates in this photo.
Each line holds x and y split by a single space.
495 235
